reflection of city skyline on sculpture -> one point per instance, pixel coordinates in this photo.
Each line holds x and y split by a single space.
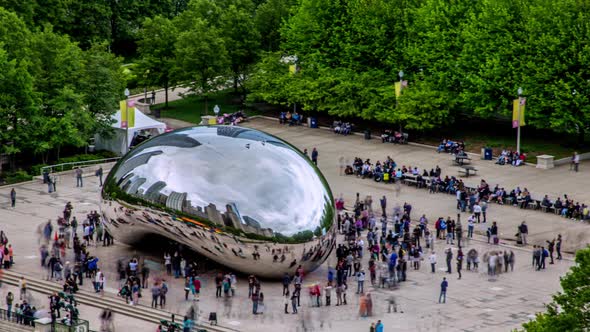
179 202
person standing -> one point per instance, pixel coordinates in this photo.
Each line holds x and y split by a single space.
576 161
551 248
442 298
163 292
145 274
314 156
156 295
360 278
79 182
432 260
294 303
99 175
9 300
379 326
12 197
477 211
383 202
558 246
494 233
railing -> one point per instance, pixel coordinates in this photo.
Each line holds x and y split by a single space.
72 165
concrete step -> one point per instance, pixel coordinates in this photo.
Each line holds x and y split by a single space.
12 327
116 304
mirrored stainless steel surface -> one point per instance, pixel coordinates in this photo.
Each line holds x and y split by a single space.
239 196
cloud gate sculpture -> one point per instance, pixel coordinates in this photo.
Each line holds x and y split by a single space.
241 197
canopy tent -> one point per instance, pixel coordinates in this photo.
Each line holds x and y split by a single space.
116 143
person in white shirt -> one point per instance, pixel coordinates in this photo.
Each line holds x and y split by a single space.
470 226
360 278
477 211
432 260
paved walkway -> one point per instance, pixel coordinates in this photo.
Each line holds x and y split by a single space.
473 304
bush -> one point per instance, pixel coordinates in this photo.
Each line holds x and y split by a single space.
16 177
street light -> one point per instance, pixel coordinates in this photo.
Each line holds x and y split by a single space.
518 120
127 122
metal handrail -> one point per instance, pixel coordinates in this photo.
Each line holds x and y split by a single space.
72 165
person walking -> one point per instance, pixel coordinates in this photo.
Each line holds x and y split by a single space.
99 176
23 288
379 326
79 173
449 259
12 197
314 156
558 246
287 299
524 231
286 283
459 262
442 298
432 260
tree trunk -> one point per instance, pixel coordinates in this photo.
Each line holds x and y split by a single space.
166 94
236 84
581 135
58 149
206 106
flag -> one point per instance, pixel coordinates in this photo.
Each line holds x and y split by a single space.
398 89
127 108
292 69
516 104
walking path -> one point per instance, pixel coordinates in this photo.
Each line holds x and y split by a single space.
473 303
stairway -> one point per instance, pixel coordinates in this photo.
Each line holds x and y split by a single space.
12 327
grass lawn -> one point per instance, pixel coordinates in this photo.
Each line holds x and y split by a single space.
192 107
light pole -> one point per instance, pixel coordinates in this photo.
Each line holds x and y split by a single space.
127 121
401 85
518 120
145 76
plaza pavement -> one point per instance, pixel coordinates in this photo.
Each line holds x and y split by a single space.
473 303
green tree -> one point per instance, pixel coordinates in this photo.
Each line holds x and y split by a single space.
568 310
157 47
201 58
101 85
242 39
269 18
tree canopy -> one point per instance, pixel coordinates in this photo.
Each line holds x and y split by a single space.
569 309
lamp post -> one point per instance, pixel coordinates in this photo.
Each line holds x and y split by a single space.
145 76
401 85
518 120
127 122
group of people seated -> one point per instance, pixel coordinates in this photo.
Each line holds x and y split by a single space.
449 146
232 118
511 158
394 137
565 207
387 171
292 119
342 128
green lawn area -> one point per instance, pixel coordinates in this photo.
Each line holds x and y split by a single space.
192 107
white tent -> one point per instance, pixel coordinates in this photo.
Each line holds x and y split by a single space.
116 143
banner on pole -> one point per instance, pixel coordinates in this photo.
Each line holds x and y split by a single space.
398 89
127 109
516 104
292 69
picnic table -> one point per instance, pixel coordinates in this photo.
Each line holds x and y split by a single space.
462 160
467 170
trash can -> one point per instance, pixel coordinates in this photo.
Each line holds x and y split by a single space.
487 154
313 122
367 134
157 113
